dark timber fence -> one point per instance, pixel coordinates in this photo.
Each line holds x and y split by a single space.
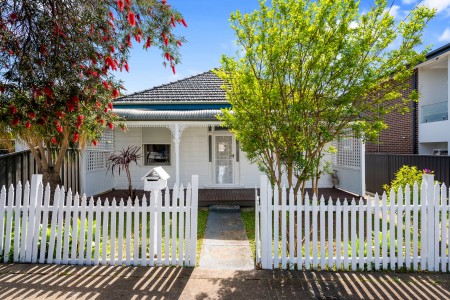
19 166
381 168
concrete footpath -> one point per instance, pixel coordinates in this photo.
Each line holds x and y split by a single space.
225 246
29 281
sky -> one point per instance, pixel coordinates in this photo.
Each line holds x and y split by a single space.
209 36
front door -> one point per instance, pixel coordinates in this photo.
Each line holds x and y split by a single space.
224 158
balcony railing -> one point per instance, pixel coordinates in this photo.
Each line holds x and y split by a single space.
435 112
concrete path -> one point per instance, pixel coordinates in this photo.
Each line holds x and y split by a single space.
225 246
29 281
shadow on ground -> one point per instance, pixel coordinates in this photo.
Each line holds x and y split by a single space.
105 282
86 282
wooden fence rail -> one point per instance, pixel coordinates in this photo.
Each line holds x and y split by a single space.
77 230
409 229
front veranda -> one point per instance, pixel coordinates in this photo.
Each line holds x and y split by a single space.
184 148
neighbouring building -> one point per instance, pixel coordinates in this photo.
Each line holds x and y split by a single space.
425 129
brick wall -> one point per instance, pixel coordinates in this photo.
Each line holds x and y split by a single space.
402 133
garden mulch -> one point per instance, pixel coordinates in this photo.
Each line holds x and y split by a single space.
241 197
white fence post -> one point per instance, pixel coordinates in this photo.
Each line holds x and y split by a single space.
194 216
36 180
430 203
265 240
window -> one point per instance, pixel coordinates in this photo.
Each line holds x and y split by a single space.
156 154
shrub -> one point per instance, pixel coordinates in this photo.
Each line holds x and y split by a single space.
406 175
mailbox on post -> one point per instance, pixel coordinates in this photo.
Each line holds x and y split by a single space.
155 179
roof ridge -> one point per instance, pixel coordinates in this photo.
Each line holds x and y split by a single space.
166 84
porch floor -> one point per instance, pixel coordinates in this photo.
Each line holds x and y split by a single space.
242 197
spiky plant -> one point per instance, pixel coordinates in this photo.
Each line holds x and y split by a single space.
121 162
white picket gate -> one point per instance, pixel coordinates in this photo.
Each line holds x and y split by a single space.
76 230
410 229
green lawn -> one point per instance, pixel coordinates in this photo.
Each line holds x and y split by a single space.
248 218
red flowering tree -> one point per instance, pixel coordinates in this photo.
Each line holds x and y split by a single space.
56 58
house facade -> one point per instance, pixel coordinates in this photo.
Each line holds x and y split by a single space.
176 127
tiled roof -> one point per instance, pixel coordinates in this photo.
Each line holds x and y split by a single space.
167 115
201 88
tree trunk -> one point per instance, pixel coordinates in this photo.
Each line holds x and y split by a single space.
51 176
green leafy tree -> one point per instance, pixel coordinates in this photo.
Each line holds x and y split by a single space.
56 63
309 72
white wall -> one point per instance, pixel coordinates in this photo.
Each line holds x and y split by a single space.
194 156
433 86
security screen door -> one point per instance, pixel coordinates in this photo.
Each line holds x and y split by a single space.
224 158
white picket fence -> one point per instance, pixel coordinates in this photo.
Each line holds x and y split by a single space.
76 231
410 229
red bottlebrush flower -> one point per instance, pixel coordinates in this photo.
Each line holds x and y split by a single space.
48 92
128 3
79 125
31 114
120 5
167 55
179 43
111 125
70 107
111 15
128 39
105 110
94 142
163 1
54 141
172 21
13 17
173 69
59 129
27 125
148 43
137 37
12 110
43 49
131 18
75 99
59 114
94 61
127 68
183 22
15 121
116 93
110 105
112 49
105 84
76 136
102 121
110 63
80 118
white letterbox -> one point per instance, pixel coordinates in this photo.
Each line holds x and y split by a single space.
155 179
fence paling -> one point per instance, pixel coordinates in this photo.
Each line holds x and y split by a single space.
354 236
71 230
